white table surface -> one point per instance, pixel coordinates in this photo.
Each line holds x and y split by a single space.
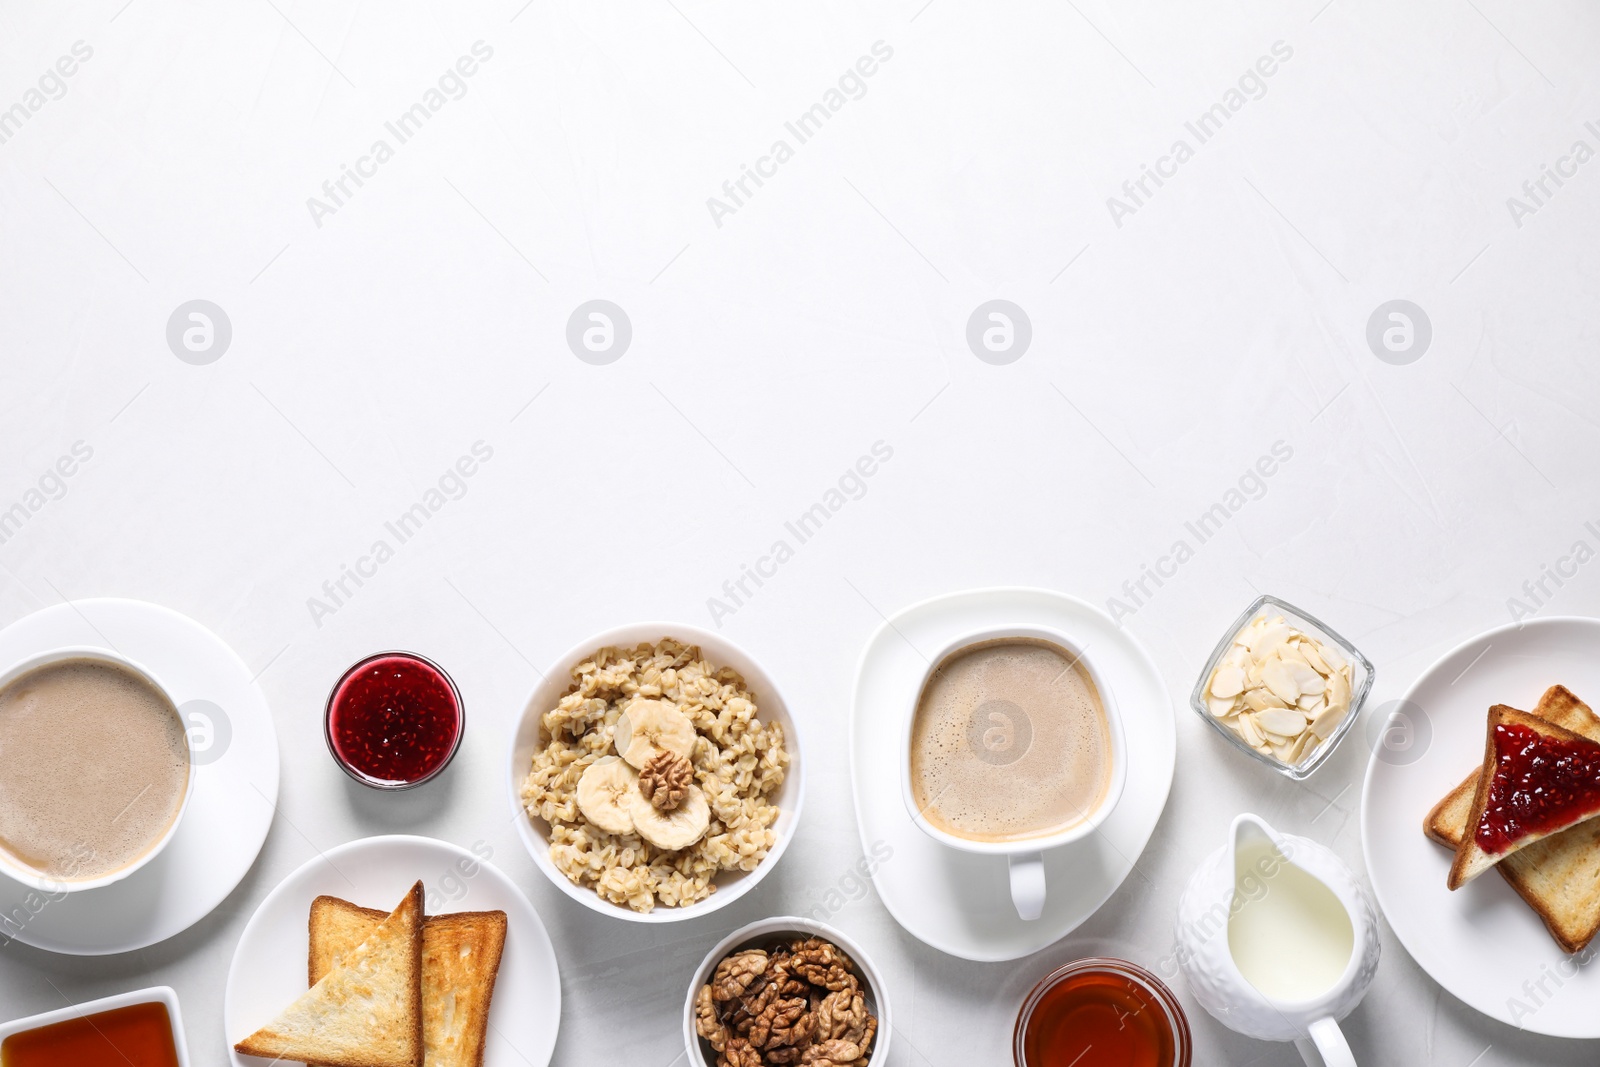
826 314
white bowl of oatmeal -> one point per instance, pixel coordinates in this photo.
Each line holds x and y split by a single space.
738 769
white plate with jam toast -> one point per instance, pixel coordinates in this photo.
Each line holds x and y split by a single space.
1511 939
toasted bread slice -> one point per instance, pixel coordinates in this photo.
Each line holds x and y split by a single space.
1558 877
1566 810
460 961
366 1012
1447 822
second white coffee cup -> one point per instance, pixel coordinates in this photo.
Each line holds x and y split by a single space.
12 866
1025 855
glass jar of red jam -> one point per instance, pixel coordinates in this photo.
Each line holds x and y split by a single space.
394 720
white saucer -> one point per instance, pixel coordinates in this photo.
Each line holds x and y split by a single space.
1481 942
960 902
236 787
269 965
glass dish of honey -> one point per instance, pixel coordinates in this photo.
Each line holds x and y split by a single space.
135 1029
1101 1012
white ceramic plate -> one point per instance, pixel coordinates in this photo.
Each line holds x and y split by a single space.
235 791
269 965
770 707
1482 943
960 902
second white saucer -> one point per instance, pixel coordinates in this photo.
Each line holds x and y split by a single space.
235 790
960 902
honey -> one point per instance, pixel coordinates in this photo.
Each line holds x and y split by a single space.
1101 1013
139 1035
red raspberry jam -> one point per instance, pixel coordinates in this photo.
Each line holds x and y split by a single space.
1540 784
394 720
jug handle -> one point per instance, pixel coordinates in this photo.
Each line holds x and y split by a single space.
1326 1047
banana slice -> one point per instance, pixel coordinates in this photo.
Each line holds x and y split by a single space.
651 726
671 830
605 795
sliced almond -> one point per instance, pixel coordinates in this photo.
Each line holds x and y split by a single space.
1227 682
1328 720
1332 658
1270 639
1338 691
1220 707
1281 680
1309 649
1302 745
1262 699
1251 733
1306 679
1289 652
1285 722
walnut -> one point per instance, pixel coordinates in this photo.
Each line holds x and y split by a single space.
843 1015
781 974
739 1053
821 963
870 1032
777 1024
733 975
762 996
834 1054
665 780
706 1023
794 1026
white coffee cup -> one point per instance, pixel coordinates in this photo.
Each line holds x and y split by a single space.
13 868
1025 856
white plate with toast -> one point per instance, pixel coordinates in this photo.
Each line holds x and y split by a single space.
1483 942
301 931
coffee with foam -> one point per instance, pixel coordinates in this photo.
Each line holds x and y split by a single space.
94 768
1010 741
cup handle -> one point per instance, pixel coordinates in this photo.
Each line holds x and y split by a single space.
1027 884
1326 1047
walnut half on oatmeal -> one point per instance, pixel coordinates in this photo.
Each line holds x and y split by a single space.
720 782
665 780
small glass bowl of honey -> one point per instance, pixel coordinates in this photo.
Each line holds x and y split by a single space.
1101 1012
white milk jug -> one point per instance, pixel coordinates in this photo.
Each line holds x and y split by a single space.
1277 940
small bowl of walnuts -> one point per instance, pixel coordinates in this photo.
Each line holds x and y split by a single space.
787 991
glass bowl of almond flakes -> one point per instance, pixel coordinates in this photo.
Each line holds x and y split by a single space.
1283 687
